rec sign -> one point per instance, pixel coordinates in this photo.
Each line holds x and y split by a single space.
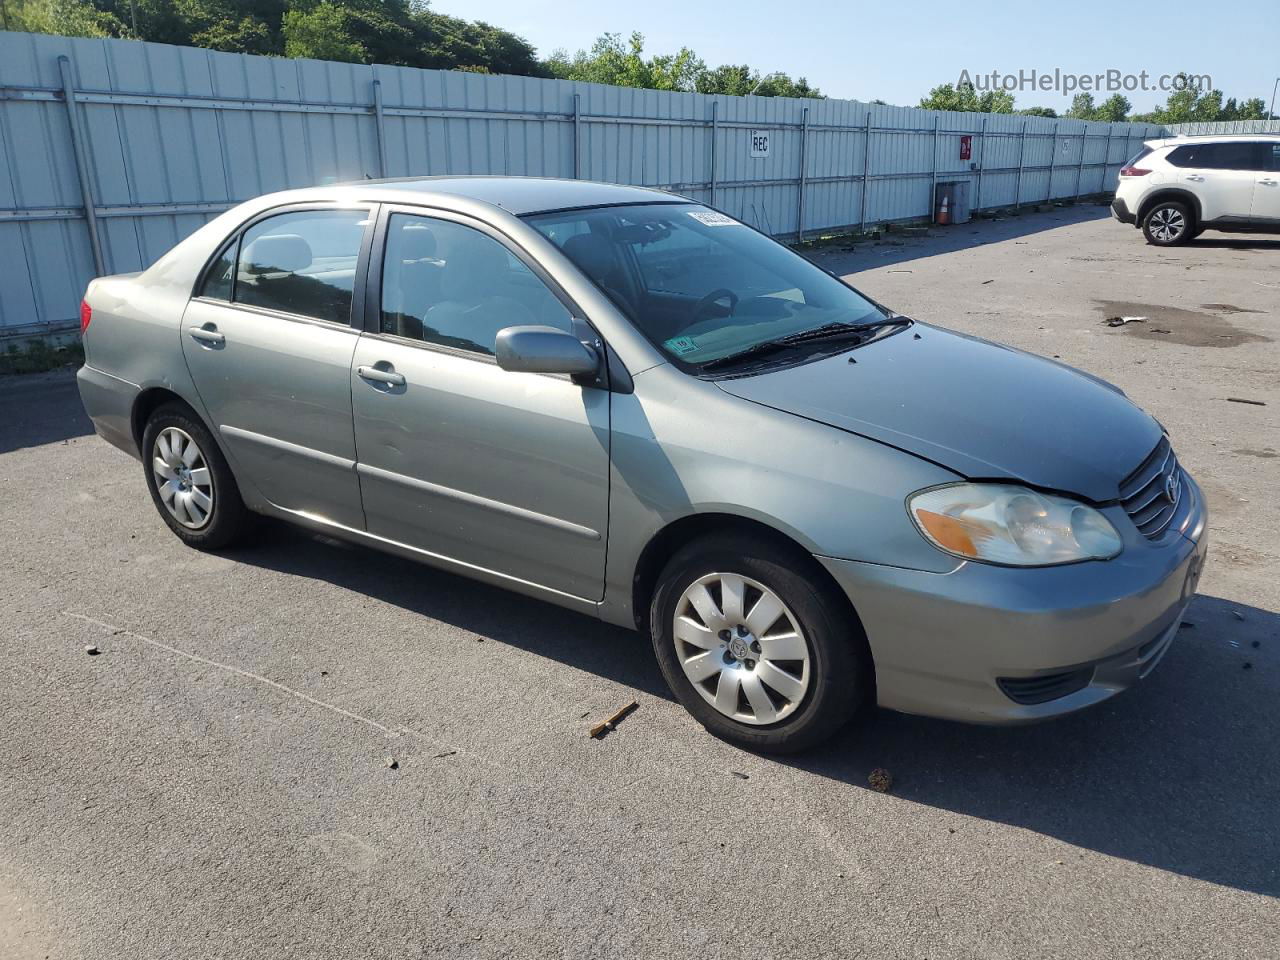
760 143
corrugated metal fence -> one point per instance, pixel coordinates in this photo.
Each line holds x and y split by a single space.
114 150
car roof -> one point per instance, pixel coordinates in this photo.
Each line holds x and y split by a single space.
1186 138
518 195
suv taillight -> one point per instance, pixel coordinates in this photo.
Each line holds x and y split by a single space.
86 314
1134 172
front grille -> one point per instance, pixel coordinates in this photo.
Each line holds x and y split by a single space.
1049 686
1152 494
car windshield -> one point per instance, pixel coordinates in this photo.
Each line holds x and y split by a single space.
699 284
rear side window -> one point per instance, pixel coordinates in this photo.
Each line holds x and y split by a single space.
302 263
1237 155
1271 154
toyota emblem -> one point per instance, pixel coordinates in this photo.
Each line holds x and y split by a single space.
1171 485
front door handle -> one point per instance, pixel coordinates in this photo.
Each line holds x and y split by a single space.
1196 178
1269 182
207 334
378 375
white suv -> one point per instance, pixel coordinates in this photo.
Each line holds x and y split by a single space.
1176 189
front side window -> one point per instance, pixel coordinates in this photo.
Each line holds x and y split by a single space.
448 284
1271 154
699 284
302 263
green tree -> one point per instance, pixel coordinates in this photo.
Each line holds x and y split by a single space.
1114 109
70 18
321 33
1082 107
964 98
1039 112
622 64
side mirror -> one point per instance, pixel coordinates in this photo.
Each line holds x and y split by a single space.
544 350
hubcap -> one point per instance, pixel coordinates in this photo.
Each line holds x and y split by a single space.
182 478
741 648
1167 224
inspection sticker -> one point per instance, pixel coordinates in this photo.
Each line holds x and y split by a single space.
681 345
712 219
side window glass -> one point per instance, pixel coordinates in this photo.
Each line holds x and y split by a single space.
1241 155
217 282
1271 155
449 284
303 263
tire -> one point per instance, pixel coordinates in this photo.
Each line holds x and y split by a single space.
1168 223
194 492
818 695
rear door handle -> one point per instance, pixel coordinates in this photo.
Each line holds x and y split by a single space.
1196 178
381 376
1269 182
207 335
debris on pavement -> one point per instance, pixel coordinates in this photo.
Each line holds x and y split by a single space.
92 650
392 763
740 776
880 779
1121 321
1254 403
600 729
447 753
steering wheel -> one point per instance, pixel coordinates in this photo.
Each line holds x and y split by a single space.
704 305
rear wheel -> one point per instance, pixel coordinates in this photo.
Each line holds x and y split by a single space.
1168 223
757 645
190 481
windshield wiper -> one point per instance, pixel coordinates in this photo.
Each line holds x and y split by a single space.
828 331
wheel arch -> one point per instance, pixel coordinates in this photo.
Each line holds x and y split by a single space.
679 533
1170 193
147 402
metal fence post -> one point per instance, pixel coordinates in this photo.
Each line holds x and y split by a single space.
1084 144
1022 152
380 127
982 161
1106 163
715 129
804 136
866 175
82 166
577 136
1053 157
933 193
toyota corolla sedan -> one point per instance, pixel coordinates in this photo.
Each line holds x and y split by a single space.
637 407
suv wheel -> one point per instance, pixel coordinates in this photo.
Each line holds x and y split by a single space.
190 481
761 654
1168 223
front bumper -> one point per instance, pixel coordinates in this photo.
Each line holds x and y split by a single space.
1120 210
962 645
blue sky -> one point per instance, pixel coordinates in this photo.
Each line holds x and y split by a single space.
897 51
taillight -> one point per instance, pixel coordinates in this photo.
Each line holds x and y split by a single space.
1134 172
86 314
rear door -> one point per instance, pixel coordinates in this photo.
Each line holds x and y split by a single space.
1222 175
269 340
503 472
1266 194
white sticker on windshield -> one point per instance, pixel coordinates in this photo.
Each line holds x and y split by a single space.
713 219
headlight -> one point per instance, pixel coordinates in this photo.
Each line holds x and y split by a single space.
1000 523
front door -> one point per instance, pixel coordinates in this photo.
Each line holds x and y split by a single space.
502 472
1266 193
269 341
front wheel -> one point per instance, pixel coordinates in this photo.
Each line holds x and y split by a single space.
760 653
1168 224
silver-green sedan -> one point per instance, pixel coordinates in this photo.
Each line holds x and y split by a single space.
635 406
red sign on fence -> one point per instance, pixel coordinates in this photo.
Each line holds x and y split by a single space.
966 147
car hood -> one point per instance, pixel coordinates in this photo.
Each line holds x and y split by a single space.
983 410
